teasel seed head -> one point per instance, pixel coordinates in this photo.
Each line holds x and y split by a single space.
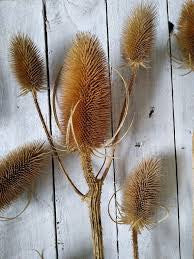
139 35
27 64
141 195
19 169
185 34
85 98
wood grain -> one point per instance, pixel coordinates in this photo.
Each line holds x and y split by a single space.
193 194
151 133
56 220
183 95
34 229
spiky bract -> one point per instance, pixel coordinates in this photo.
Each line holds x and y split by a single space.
141 195
85 94
19 169
27 64
185 35
139 35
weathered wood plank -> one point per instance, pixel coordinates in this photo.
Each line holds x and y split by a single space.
64 19
34 229
151 134
193 194
184 124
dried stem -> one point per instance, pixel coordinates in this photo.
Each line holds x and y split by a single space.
135 244
54 100
95 186
93 200
95 220
109 159
49 137
130 88
2 218
87 168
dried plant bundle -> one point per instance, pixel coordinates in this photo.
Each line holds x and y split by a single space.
27 64
85 98
139 35
185 34
141 195
19 169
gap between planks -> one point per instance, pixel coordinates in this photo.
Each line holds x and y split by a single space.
174 129
44 14
112 127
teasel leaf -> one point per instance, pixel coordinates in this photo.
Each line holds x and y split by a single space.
19 169
139 35
85 96
141 195
27 64
185 34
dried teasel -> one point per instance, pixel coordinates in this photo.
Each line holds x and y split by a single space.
85 116
141 194
19 169
27 64
141 198
85 98
185 34
139 35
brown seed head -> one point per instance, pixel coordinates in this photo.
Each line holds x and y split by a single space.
85 85
141 195
139 35
27 64
185 35
19 169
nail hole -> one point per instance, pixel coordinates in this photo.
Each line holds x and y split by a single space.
170 26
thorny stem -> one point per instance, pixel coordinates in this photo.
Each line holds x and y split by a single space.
87 167
49 137
130 87
95 220
135 244
95 187
93 199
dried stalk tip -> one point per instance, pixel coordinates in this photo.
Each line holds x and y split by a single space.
27 64
141 195
185 35
85 98
139 35
19 169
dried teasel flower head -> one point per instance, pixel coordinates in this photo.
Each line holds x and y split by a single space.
27 64
19 169
139 35
185 34
85 98
141 195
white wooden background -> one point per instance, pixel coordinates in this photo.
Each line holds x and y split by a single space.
56 222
